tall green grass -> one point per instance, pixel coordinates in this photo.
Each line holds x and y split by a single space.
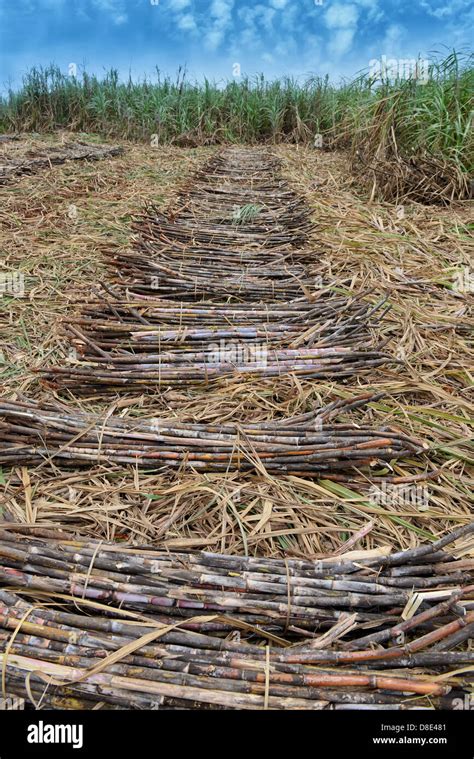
435 116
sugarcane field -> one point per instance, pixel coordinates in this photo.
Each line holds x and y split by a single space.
236 360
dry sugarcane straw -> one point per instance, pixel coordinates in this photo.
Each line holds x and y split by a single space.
49 156
309 443
69 644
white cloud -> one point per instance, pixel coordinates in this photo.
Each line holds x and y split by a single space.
441 9
341 41
52 4
115 8
221 19
374 12
108 5
285 47
265 16
255 24
221 10
291 18
182 15
340 16
341 19
393 39
186 22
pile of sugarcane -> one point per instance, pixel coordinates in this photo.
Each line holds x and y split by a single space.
83 622
238 200
237 230
197 274
223 284
309 444
53 155
124 344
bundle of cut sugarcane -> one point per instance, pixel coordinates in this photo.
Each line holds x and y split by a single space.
314 320
309 444
119 624
238 201
215 232
225 234
149 253
143 664
291 596
236 230
107 374
219 203
124 344
268 214
210 274
241 166
137 340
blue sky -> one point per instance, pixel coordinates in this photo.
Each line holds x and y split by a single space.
297 37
